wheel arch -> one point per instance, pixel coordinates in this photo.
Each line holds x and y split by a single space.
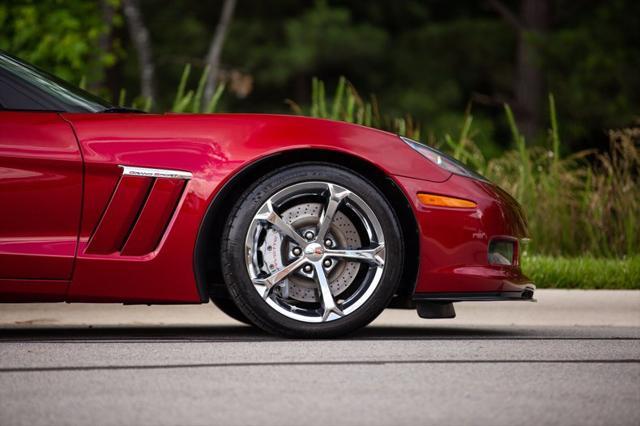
206 255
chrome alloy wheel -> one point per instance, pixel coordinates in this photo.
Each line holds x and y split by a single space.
314 251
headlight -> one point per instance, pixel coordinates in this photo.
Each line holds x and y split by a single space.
442 160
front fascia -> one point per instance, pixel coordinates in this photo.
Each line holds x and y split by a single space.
454 241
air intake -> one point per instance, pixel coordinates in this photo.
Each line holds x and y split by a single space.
141 207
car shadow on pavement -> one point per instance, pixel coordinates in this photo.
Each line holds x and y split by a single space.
429 332
237 333
135 333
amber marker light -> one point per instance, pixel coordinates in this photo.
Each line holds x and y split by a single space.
442 201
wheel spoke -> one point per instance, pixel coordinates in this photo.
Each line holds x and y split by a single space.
302 238
370 255
328 303
336 195
268 214
273 279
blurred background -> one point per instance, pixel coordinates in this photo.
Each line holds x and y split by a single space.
541 96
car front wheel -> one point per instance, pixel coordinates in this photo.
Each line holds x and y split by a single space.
312 251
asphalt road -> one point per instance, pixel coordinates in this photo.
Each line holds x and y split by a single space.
572 358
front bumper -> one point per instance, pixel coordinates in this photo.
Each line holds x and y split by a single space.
454 243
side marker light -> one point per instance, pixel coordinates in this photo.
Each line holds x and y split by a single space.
442 201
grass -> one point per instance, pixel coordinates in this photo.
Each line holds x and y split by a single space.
186 100
583 272
346 104
583 204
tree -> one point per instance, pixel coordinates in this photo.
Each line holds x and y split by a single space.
215 48
529 81
140 36
61 37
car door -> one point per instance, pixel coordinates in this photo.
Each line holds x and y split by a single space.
40 194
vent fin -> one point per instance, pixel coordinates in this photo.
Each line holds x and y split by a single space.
154 217
120 215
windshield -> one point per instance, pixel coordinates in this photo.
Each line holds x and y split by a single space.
47 91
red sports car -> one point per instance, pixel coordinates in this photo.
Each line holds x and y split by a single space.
302 227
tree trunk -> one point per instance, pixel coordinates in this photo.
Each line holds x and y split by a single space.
529 84
142 42
529 80
215 48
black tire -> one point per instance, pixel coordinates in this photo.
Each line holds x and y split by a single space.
228 307
240 286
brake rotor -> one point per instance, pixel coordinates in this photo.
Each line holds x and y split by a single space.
276 252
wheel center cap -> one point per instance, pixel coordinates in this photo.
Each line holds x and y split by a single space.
314 251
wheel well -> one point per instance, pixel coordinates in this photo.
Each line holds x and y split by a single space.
206 259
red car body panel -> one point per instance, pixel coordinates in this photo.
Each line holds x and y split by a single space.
136 236
41 195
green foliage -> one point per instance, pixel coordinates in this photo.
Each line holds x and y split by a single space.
447 63
431 59
302 38
583 272
185 100
347 105
591 62
327 36
191 100
428 58
584 203
60 36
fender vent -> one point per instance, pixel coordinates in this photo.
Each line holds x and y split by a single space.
141 207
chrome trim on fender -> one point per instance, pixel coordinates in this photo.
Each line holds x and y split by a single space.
155 173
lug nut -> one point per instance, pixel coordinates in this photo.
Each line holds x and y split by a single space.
327 263
307 268
328 243
297 251
309 235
